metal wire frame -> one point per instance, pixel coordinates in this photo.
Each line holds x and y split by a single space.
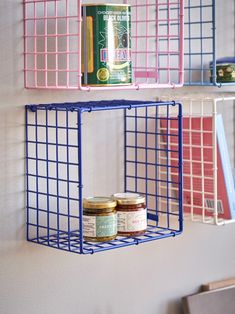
204 197
52 44
201 43
54 172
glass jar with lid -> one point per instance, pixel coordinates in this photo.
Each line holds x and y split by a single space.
131 214
99 219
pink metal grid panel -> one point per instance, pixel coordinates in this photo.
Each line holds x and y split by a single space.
52 46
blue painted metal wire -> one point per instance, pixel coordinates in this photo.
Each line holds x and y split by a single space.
54 212
201 43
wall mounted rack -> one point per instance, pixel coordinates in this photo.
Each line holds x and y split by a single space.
54 170
52 44
208 158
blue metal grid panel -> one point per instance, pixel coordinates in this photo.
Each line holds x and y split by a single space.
54 171
200 45
53 176
153 167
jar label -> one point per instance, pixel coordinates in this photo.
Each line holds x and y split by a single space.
132 220
100 226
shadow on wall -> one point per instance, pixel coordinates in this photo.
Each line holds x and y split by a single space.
175 307
12 174
11 57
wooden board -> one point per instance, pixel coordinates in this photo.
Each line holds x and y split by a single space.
211 302
218 284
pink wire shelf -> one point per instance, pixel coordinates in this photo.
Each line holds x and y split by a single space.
52 44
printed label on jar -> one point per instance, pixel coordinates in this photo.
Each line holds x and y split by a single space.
99 226
132 221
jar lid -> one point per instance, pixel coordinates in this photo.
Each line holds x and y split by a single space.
225 60
99 202
129 198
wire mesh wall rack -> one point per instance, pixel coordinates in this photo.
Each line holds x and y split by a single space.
55 163
208 158
53 44
202 51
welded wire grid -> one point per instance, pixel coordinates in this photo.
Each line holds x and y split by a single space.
200 42
51 43
157 42
149 166
52 49
55 178
205 191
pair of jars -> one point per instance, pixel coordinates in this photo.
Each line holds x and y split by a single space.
123 214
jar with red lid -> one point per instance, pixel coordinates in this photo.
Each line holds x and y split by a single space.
131 214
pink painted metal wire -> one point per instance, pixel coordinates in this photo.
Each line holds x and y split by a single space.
52 44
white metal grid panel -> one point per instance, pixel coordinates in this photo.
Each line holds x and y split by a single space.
208 157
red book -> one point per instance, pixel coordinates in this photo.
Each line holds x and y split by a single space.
199 177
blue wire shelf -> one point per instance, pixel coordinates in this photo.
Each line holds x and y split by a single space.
54 171
200 43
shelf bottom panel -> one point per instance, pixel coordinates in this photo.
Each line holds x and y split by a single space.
71 243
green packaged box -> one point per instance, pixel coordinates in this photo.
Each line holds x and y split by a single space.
106 44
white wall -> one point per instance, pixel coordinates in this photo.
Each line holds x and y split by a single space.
146 279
